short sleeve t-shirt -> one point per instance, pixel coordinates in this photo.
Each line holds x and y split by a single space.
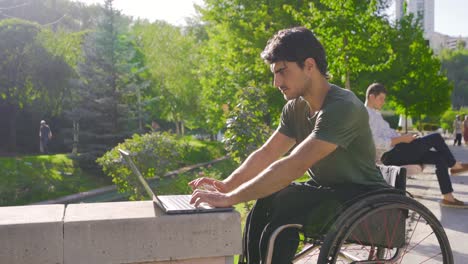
343 120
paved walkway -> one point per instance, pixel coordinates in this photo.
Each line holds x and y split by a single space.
455 221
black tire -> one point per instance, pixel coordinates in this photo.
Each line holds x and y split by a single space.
359 229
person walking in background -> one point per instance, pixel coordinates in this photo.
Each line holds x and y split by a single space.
465 130
45 135
400 150
457 130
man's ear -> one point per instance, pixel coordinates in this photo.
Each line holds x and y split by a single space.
309 64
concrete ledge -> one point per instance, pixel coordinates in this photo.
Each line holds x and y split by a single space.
31 234
138 232
122 232
216 260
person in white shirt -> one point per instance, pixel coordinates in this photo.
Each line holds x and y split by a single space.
399 150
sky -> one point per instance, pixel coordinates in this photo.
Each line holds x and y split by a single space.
451 16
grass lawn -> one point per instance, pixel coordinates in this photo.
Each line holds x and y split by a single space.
29 179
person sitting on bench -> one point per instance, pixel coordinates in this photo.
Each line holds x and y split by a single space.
409 149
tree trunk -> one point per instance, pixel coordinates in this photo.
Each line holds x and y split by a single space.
182 127
177 127
347 72
76 131
140 118
11 113
406 121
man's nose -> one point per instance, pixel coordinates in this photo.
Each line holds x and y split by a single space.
277 82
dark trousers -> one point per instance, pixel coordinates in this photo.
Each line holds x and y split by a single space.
288 206
430 149
45 143
458 137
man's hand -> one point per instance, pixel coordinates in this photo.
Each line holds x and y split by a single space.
208 184
408 138
213 198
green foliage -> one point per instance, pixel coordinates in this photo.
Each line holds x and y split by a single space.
65 15
30 76
28 72
354 34
154 154
32 179
179 183
455 65
446 121
64 44
238 32
172 59
246 128
112 76
417 86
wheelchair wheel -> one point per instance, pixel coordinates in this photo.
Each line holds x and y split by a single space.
386 228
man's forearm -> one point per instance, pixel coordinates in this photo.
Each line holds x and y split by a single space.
251 167
276 177
282 172
396 140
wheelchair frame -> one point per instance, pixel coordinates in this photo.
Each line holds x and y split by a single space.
357 210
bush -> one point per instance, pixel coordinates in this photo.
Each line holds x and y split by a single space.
154 154
246 129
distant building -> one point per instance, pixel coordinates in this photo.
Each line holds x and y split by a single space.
424 9
439 41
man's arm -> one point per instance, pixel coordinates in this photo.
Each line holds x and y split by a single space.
407 138
282 172
275 147
277 176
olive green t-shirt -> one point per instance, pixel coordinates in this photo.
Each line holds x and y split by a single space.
343 120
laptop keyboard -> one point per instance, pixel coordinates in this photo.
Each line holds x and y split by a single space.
181 202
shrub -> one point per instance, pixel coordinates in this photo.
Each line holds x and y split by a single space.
154 154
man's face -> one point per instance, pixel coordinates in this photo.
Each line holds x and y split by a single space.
290 79
378 101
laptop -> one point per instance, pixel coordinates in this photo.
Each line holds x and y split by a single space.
170 204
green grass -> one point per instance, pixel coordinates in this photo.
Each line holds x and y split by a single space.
202 151
30 179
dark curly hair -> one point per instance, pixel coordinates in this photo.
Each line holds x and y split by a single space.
295 45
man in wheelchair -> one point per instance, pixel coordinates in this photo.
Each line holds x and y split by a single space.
325 130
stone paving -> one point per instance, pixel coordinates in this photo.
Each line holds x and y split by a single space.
455 221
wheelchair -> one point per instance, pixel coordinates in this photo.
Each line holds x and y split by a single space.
384 226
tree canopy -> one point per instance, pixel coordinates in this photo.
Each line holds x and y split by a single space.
108 75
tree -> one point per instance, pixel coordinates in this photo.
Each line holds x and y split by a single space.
29 74
238 32
106 78
417 85
56 14
354 36
172 60
455 66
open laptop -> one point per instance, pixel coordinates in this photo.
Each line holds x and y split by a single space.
170 204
